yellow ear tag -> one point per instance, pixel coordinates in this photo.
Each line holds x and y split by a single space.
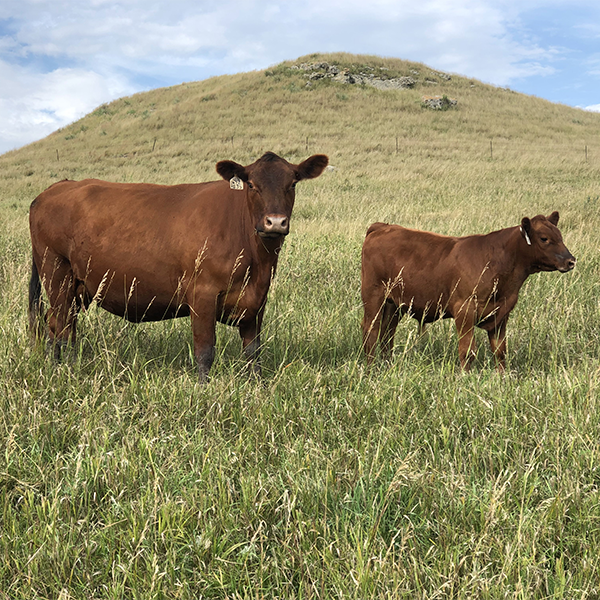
235 183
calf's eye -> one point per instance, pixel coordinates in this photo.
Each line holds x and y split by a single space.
544 239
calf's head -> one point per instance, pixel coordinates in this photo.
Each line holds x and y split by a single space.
545 244
270 184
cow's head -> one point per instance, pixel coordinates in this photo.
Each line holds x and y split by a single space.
270 187
545 244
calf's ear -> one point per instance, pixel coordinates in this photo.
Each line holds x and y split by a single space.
553 218
526 229
312 167
228 169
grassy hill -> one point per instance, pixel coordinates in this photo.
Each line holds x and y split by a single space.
121 477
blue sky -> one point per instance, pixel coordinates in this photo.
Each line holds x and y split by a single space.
59 60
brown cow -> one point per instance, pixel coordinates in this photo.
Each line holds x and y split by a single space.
474 279
151 252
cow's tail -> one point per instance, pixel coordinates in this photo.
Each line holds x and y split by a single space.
375 227
36 305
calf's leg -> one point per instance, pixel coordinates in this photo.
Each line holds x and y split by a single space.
465 324
497 339
373 303
389 322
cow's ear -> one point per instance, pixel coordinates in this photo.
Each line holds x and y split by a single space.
312 167
553 218
228 169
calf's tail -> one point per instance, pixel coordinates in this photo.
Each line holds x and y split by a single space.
36 306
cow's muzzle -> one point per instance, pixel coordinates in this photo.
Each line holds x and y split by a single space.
274 226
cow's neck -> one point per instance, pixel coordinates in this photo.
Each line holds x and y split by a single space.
267 249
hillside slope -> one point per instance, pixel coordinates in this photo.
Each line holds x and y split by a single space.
177 134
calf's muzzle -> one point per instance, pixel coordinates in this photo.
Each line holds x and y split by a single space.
568 262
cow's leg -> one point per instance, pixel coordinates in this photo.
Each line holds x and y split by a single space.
389 322
373 304
250 334
497 337
465 325
62 312
36 306
204 335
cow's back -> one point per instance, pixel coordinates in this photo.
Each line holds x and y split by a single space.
145 235
93 214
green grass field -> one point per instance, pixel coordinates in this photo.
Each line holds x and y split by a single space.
121 477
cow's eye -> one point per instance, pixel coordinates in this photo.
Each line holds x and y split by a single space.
249 184
294 185
544 239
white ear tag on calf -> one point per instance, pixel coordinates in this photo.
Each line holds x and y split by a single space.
235 183
526 236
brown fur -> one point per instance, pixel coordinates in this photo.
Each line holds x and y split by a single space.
475 279
151 252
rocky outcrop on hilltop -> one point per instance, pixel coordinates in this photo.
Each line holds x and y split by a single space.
322 70
378 78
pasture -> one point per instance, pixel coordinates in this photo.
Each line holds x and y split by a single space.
122 477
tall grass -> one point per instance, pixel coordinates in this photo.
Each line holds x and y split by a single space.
121 477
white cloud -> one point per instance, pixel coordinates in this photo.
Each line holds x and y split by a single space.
36 105
141 32
593 108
